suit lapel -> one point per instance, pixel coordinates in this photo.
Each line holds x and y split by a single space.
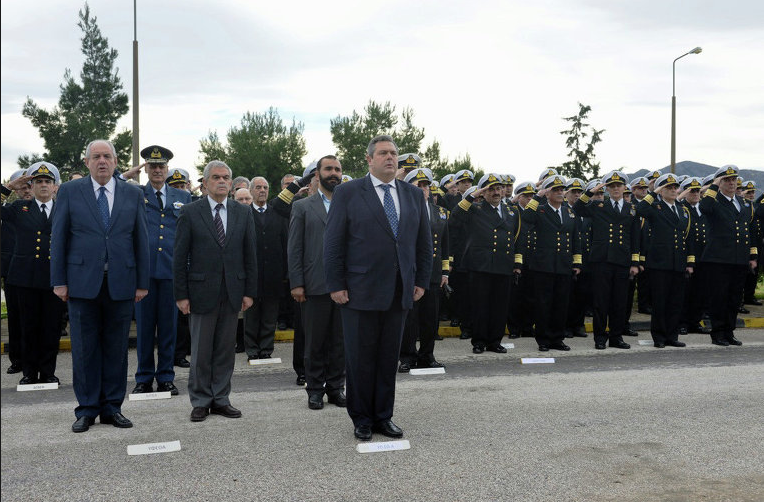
86 188
317 204
233 219
369 195
207 218
119 196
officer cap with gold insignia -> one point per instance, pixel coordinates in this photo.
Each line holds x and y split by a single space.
654 175
346 177
464 174
615 177
470 190
446 179
549 171
156 154
593 183
508 179
555 181
727 171
708 180
739 182
44 170
311 168
417 175
489 179
626 189
526 187
666 180
640 182
435 188
409 161
690 182
749 185
574 184
177 175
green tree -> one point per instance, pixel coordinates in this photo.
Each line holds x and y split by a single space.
441 166
580 152
85 111
260 146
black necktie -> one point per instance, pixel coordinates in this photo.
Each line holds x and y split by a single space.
159 200
219 225
42 206
559 213
676 211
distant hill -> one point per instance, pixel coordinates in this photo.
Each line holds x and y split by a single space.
691 168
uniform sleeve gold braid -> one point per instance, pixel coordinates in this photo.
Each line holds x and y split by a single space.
710 193
754 251
690 259
649 199
635 257
445 265
518 258
576 259
519 224
642 258
465 204
532 205
450 259
584 198
286 196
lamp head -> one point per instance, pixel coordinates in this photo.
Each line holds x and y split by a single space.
696 50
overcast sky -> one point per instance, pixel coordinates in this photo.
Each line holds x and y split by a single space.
492 78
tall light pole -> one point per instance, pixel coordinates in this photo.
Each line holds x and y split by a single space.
136 138
696 50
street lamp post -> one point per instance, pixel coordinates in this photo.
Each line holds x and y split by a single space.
696 50
136 144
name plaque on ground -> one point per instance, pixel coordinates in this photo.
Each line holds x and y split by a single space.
151 448
37 386
146 396
427 371
537 360
260 362
383 446
645 342
508 345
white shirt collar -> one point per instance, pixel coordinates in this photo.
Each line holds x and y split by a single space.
377 182
214 203
257 208
163 190
109 184
48 205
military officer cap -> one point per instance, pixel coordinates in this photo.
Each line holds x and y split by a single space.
615 177
708 179
346 177
156 154
44 170
446 179
749 185
417 175
310 169
639 182
727 171
177 175
508 179
666 180
654 175
553 182
464 174
409 161
593 183
547 173
574 184
435 188
489 180
526 187
17 174
739 182
626 189
470 190
690 182
681 178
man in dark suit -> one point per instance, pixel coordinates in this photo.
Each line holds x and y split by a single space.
215 273
99 264
324 349
377 259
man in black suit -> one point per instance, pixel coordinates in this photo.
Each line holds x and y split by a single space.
377 260
215 274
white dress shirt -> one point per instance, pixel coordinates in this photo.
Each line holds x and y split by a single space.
48 206
381 193
110 186
223 211
734 202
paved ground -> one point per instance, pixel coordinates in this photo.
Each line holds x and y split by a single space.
637 425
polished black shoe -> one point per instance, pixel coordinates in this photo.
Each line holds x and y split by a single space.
362 432
252 358
568 334
465 335
264 356
659 345
227 411
753 301
338 399
631 332
478 349
142 388
404 368
559 346
496 348
734 341
682 331
167 387
430 364
620 345
182 363
454 323
543 348
743 310
316 401
49 379
600 346
282 326
300 380
672 343
589 313
82 424
389 429
27 380
239 349
721 343
199 414
117 420
13 368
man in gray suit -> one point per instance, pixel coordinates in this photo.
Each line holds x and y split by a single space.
324 347
215 272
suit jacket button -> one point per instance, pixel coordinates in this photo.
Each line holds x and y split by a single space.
159 249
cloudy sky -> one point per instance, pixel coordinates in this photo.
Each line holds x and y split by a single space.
492 78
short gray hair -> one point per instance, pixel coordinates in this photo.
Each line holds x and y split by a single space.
111 146
379 139
213 164
287 175
259 178
239 179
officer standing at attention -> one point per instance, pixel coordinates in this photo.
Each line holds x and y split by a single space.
520 315
614 257
576 316
695 294
155 316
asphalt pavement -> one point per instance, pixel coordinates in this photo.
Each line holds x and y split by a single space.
643 424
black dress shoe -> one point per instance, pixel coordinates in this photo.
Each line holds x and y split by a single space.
167 387
227 411
389 429
733 341
559 346
316 401
264 356
338 399
631 332
599 346
465 335
49 379
13 368
568 334
438 337
300 380
430 364
239 349
672 343
117 420
753 301
252 358
182 363
404 368
580 333
82 424
142 388
454 323
27 380
682 331
497 348
659 345
743 310
620 344
697 329
282 326
199 414
478 349
721 343
543 348
362 432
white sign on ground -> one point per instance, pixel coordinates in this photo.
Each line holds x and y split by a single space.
508 345
260 362
151 448
37 386
383 446
645 342
427 371
537 360
146 396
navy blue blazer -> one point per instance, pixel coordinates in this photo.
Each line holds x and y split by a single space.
80 242
361 253
161 227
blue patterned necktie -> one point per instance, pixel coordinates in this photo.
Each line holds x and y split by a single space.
392 215
219 225
103 206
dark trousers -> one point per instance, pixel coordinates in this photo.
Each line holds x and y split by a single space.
422 323
99 330
667 292
632 289
372 344
14 324
644 302
183 340
459 281
490 295
610 286
749 289
41 331
298 348
579 293
695 297
550 295
324 348
724 297
260 326
156 320
520 310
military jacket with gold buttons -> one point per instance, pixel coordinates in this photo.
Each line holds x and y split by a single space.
558 242
615 234
490 238
161 227
729 236
698 221
671 237
30 262
439 231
